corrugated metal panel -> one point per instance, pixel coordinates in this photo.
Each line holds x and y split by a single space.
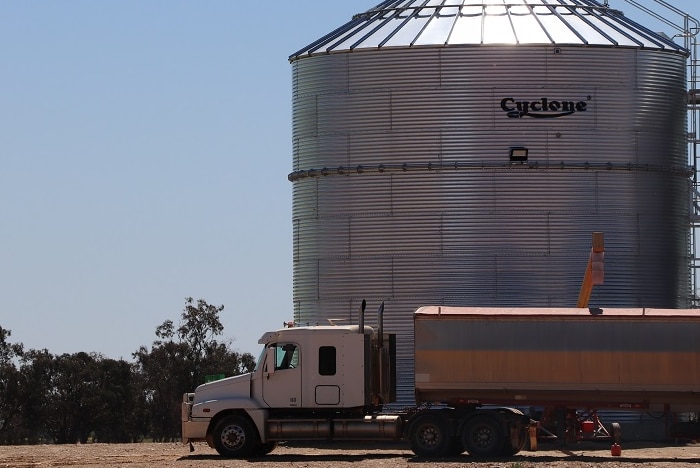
482 213
420 23
423 122
403 190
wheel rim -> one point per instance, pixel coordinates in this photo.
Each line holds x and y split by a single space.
482 437
429 436
233 437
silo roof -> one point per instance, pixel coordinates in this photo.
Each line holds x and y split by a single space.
416 23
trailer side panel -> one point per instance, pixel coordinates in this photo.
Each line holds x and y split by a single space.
611 357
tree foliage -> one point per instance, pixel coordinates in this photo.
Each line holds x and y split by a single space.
179 361
70 398
9 384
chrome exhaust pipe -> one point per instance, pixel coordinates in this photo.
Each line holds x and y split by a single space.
362 316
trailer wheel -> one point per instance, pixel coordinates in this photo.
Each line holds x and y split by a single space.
482 436
455 448
235 437
429 435
617 433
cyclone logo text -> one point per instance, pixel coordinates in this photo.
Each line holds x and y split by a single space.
542 109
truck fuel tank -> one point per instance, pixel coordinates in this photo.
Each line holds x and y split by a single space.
369 427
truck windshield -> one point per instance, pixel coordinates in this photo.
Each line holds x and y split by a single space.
261 357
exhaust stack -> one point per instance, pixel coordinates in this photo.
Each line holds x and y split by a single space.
362 316
380 319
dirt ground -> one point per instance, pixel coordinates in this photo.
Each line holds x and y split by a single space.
147 455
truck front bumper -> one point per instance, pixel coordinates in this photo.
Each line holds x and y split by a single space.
193 429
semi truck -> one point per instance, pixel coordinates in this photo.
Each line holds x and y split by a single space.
485 380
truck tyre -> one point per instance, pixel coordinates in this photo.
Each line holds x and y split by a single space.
235 437
617 433
264 449
482 436
429 435
516 436
455 447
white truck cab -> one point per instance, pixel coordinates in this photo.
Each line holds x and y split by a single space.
304 379
313 367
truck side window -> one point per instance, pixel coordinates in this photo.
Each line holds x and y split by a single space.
326 360
286 356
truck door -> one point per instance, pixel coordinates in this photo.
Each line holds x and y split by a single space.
282 381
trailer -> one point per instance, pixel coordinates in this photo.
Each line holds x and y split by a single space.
565 363
488 381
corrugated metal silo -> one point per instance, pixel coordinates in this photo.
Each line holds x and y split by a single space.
404 188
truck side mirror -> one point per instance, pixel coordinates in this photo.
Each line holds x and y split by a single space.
270 361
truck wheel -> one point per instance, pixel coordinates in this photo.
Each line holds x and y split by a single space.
235 437
455 447
264 449
518 438
482 436
429 436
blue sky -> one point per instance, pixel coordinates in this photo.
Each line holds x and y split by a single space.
145 147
